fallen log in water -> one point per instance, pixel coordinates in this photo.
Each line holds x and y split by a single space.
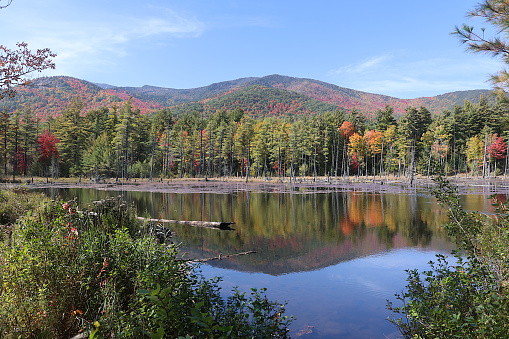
221 225
220 257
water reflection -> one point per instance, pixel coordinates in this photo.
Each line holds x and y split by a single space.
335 257
292 232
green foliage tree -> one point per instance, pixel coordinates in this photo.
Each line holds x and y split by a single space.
467 299
358 120
4 136
28 139
70 130
384 119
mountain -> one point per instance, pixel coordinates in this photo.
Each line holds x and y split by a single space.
260 101
172 97
273 95
48 97
367 103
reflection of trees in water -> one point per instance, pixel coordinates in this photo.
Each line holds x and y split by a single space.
297 230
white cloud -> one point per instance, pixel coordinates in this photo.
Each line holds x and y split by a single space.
94 40
365 66
396 76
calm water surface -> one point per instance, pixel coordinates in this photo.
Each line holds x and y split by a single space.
334 257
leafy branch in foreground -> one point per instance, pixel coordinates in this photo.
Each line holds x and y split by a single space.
468 298
496 13
16 64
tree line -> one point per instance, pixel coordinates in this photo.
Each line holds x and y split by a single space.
120 142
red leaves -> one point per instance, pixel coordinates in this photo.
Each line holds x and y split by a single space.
498 148
16 64
46 147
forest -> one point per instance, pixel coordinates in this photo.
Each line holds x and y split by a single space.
120 142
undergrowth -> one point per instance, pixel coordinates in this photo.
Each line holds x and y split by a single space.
100 271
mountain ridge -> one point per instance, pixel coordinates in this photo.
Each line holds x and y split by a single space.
49 96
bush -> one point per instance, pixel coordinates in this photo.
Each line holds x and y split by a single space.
469 299
99 270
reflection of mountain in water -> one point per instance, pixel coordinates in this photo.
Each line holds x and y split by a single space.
291 232
321 257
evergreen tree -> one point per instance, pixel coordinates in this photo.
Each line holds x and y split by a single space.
28 137
358 120
5 121
496 13
70 130
384 119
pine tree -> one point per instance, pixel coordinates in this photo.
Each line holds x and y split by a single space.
70 130
384 119
28 137
496 13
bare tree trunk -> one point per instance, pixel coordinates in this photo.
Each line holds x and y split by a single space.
484 155
429 160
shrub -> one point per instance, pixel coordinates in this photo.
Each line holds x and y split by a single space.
470 298
65 271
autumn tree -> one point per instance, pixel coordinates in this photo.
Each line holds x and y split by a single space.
357 149
5 121
16 64
374 142
497 150
474 154
48 153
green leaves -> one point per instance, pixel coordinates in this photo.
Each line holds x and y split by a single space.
465 298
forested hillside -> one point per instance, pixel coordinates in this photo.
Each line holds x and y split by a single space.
170 97
368 103
118 141
260 101
48 97
273 95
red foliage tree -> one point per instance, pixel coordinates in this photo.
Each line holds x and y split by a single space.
47 147
21 161
17 63
498 148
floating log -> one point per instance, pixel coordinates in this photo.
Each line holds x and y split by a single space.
221 257
221 225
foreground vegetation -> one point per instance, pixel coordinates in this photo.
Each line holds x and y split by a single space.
99 271
467 297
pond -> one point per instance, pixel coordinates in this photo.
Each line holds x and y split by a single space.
335 257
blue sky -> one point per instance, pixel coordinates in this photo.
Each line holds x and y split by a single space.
397 48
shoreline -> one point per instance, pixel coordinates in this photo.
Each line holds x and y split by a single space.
302 185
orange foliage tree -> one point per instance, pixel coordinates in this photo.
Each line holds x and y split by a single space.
374 141
347 129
